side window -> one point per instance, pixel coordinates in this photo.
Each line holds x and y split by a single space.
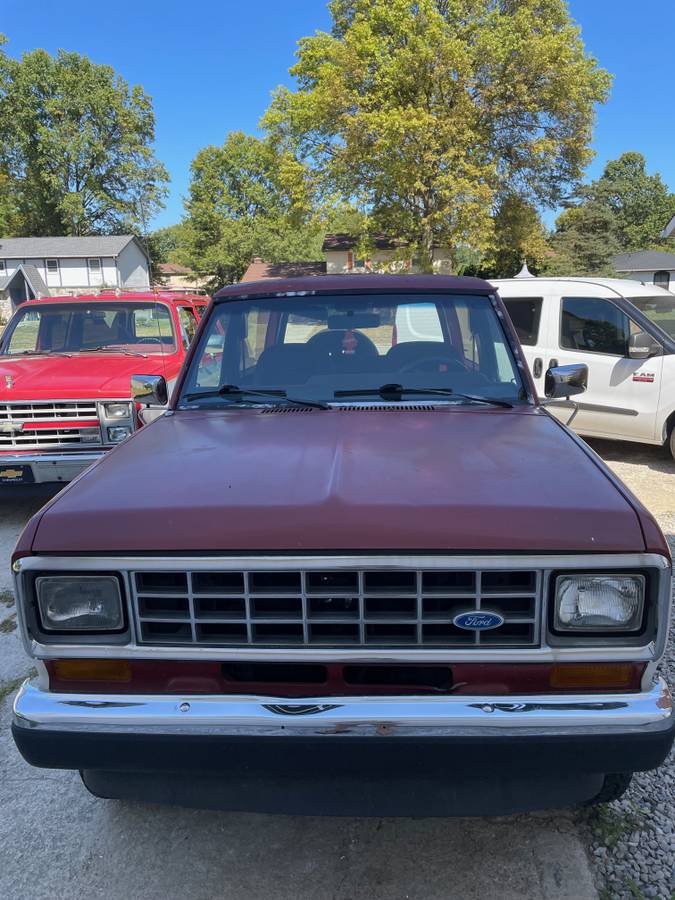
593 325
525 313
188 325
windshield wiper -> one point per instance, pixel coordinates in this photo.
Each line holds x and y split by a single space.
397 392
122 350
246 396
41 353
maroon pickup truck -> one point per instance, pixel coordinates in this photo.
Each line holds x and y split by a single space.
356 567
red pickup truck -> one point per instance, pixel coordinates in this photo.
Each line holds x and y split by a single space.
356 567
66 368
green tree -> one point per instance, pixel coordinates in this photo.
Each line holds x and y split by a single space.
519 236
585 241
248 200
76 144
427 113
641 204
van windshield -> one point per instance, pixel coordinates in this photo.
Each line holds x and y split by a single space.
660 310
80 327
328 348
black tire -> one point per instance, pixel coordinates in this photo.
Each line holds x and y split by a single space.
670 443
613 787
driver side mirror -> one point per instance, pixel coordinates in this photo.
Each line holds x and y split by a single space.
642 346
150 389
565 381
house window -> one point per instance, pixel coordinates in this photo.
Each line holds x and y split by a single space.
2 267
52 267
662 279
95 271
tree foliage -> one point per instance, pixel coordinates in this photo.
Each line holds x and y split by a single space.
76 147
641 204
429 113
585 241
248 200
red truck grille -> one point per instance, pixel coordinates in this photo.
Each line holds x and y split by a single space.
48 425
336 608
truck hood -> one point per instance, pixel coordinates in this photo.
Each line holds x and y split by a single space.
462 479
76 377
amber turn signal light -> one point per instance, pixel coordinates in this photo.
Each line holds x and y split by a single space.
595 675
92 670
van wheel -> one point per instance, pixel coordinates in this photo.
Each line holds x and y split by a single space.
613 787
670 443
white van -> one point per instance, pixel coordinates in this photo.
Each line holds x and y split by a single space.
624 331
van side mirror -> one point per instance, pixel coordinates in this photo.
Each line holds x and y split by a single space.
642 346
565 381
149 389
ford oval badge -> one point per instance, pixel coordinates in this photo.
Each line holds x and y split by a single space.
478 620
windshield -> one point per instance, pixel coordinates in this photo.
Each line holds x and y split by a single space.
326 348
660 310
79 327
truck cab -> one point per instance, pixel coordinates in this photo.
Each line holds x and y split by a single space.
624 331
66 370
355 568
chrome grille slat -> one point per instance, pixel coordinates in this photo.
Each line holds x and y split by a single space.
173 608
56 413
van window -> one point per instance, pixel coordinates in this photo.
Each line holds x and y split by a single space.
525 313
593 325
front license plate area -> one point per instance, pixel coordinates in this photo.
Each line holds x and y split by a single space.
16 475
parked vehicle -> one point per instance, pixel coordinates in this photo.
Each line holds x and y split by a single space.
66 369
624 331
348 572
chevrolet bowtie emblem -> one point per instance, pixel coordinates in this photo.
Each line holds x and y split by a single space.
10 427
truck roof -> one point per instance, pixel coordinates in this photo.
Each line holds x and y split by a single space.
113 296
352 284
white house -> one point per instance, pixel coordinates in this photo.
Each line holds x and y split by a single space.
648 266
388 254
31 267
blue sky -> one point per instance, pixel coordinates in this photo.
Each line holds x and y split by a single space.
210 66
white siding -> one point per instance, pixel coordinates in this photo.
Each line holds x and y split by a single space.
133 267
648 277
74 273
336 262
109 271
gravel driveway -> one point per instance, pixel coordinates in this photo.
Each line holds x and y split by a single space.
56 840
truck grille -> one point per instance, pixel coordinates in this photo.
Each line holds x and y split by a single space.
47 425
335 607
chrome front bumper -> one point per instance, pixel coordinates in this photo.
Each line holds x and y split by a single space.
50 467
422 717
416 756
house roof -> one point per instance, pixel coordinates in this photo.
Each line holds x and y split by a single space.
349 241
644 261
174 269
669 229
65 247
32 276
260 270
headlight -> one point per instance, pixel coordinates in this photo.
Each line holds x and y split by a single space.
117 433
117 410
80 602
599 602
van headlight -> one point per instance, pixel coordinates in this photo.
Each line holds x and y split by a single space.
599 602
80 602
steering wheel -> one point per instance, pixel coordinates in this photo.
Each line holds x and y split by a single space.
424 365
